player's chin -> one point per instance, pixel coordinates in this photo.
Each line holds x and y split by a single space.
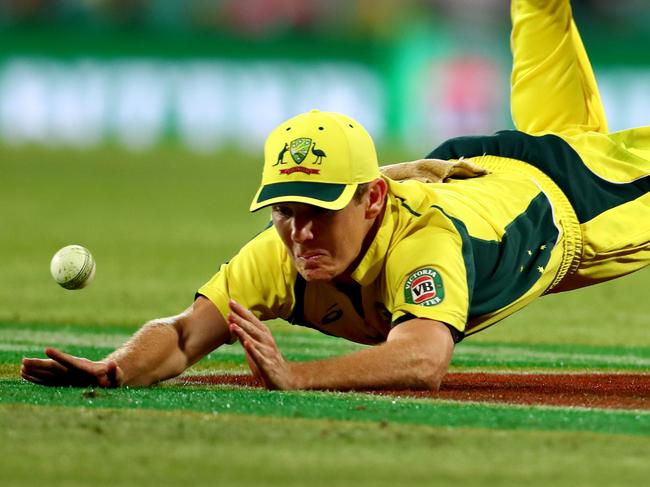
320 273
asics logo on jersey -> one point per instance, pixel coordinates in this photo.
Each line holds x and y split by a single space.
333 313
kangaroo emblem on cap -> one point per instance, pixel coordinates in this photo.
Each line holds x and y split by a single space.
299 150
281 154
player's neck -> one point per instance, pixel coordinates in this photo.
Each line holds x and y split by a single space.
346 277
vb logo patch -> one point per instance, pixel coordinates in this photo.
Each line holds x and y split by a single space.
424 287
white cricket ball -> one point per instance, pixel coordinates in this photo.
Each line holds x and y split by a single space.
73 267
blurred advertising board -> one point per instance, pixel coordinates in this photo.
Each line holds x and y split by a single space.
413 91
204 103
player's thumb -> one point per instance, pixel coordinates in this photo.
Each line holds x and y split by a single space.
114 374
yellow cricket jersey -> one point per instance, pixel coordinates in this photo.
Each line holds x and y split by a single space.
466 253
599 184
565 205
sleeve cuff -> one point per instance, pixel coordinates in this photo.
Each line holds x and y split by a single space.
456 334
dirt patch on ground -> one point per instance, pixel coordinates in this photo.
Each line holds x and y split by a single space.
614 391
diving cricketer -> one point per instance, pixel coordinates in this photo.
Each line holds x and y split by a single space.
409 266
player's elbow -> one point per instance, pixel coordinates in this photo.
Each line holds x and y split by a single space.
433 364
425 371
430 373
425 349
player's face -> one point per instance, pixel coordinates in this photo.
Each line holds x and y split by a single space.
322 243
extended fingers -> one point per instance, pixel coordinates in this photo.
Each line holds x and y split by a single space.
39 364
42 371
258 363
75 363
251 357
250 330
250 349
43 375
247 333
259 348
63 358
62 369
243 312
35 379
246 320
253 365
37 372
262 352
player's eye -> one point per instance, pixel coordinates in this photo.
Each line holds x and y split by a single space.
322 212
282 211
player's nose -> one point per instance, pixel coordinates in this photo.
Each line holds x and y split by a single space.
302 230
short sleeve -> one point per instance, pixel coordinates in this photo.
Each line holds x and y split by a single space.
257 277
427 276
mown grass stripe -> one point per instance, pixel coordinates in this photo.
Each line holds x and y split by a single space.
556 356
96 342
70 328
13 355
335 406
530 358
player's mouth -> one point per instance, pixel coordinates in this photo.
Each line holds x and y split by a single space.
310 259
314 266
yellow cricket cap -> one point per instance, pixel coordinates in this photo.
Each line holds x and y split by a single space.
318 158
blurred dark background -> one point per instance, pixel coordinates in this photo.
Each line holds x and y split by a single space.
258 18
214 73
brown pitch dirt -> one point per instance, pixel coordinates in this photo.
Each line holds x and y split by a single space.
599 390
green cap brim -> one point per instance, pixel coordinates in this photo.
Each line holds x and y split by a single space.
324 195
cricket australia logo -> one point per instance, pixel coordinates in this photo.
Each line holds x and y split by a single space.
424 287
299 149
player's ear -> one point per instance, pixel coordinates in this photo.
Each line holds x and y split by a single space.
376 196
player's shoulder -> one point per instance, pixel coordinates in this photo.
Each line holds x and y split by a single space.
266 248
414 196
434 236
418 213
262 264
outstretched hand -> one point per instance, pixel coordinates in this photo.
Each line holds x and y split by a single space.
262 353
62 369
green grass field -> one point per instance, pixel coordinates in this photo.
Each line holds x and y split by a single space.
159 224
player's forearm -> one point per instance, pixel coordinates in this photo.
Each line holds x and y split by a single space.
400 364
151 355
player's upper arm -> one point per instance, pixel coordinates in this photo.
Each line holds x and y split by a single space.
430 345
428 276
431 332
201 328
